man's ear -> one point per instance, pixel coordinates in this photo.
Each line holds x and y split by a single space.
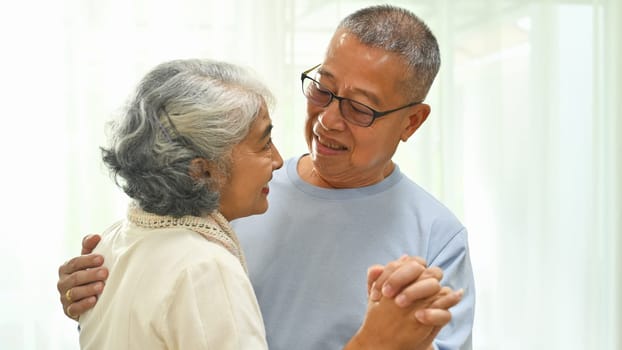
415 119
199 169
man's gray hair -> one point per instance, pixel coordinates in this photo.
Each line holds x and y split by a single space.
398 30
182 110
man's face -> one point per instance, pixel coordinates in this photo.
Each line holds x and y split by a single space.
346 155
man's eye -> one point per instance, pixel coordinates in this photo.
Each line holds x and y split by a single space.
321 90
358 108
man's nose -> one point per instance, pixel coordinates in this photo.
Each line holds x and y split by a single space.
330 118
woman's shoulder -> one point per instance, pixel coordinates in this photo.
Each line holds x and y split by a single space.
181 246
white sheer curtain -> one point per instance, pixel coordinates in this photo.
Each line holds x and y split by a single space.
522 143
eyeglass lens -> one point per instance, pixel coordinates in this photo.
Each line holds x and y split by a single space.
352 111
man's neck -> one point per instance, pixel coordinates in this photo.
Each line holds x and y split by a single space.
309 174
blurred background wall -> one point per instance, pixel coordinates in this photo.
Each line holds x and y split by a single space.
522 144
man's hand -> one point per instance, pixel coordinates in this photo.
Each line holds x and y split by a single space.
397 280
413 320
81 279
388 326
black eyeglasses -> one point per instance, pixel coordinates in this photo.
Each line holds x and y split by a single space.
352 111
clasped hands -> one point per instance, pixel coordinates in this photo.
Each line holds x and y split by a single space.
407 306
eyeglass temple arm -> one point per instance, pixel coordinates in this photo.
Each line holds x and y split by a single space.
303 74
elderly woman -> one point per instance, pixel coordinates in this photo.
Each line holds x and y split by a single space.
194 152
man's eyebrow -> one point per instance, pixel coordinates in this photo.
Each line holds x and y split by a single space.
321 71
371 96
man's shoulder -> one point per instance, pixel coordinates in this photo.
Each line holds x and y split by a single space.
415 192
427 206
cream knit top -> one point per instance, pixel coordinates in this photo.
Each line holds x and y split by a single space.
213 227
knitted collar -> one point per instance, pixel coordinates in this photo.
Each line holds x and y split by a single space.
214 227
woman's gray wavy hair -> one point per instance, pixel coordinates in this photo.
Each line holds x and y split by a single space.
182 110
400 31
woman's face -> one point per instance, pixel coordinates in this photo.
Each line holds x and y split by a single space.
252 162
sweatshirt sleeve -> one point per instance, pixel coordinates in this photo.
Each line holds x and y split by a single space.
454 259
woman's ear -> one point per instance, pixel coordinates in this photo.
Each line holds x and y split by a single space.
199 169
419 115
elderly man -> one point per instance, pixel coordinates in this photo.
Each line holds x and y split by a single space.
345 205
